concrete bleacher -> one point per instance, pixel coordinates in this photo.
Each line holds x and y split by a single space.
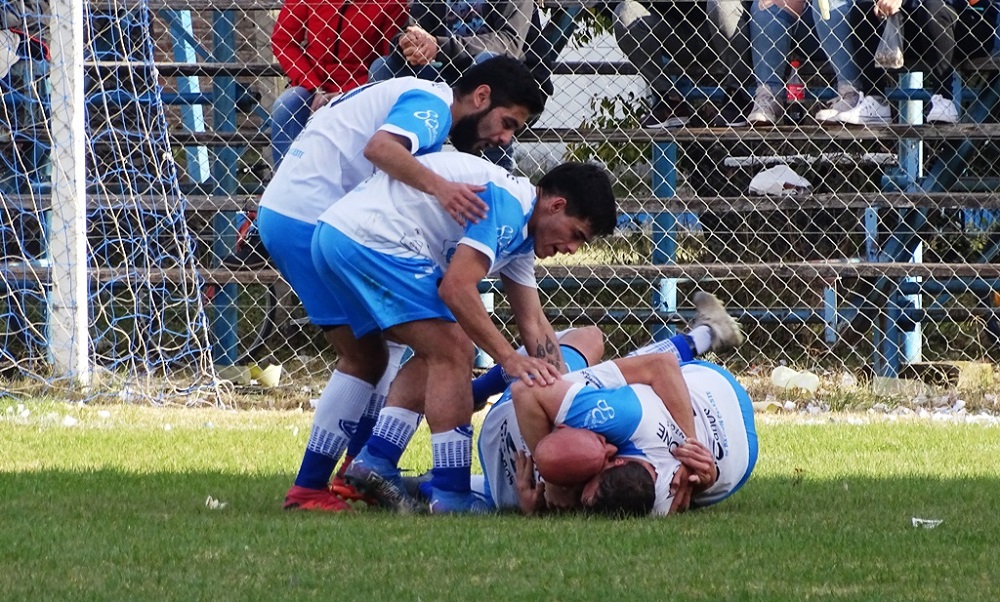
886 264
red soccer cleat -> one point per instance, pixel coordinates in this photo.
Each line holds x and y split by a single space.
322 500
344 490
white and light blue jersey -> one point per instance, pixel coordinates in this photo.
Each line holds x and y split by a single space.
634 419
389 217
500 439
327 159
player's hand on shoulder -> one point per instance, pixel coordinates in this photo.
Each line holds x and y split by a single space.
461 201
530 370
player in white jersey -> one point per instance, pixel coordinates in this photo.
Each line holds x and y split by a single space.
572 458
380 126
678 429
663 418
500 437
399 268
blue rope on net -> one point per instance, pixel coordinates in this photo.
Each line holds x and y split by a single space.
146 317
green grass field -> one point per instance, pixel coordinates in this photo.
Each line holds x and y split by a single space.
113 508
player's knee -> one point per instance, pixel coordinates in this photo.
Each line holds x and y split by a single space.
591 344
366 364
459 351
522 394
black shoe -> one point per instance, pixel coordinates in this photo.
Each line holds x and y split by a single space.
733 111
671 112
250 254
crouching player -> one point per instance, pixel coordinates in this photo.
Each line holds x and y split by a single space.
402 269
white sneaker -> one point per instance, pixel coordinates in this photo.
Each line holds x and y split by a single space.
847 99
943 110
870 110
765 107
710 312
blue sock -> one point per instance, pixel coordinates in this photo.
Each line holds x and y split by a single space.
452 451
392 433
493 382
684 346
361 436
322 451
451 479
315 470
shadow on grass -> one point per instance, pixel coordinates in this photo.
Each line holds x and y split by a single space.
109 535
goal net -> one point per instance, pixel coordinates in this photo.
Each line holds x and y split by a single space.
146 330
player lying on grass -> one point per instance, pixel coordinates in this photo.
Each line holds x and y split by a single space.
586 453
651 434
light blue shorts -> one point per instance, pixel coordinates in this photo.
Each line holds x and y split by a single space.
377 291
289 242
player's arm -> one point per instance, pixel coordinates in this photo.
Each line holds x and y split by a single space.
459 291
530 493
391 153
536 409
662 373
537 335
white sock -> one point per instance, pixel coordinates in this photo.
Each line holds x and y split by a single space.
340 405
396 425
377 401
664 346
702 337
452 449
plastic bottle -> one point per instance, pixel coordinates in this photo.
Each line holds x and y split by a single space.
781 375
787 378
795 97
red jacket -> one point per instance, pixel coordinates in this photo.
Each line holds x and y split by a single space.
330 44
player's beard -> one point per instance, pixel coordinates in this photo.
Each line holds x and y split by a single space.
465 133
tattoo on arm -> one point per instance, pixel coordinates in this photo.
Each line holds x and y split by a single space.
548 350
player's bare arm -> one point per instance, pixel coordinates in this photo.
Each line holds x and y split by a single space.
391 153
537 334
662 372
536 409
530 493
458 290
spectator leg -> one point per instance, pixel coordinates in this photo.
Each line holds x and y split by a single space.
730 41
770 36
288 116
935 22
642 36
836 36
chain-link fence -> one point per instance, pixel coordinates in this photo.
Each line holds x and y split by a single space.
773 152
